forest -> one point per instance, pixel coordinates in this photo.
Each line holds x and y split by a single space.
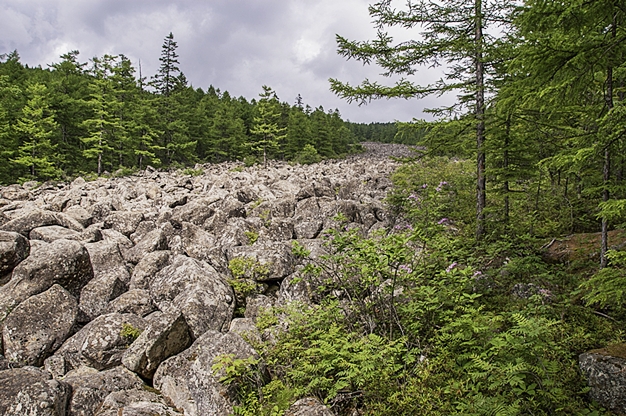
101 116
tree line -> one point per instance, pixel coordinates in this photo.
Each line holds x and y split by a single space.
101 116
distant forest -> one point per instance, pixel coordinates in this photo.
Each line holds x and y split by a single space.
77 118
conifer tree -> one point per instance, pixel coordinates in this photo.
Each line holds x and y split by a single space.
36 127
266 131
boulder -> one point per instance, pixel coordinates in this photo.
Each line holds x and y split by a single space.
196 289
102 342
80 214
155 240
38 326
188 381
90 388
246 328
605 371
309 406
135 402
14 248
33 219
63 262
107 261
124 222
148 267
96 295
30 391
275 258
164 337
196 211
135 301
51 233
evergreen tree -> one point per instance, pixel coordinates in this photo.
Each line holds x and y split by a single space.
169 78
36 127
10 97
266 131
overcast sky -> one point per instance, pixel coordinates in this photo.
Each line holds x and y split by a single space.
235 45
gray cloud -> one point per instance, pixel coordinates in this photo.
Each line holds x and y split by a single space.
235 45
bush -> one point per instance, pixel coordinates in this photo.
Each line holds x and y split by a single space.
308 155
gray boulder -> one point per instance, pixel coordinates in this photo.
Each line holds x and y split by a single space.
135 402
275 257
308 406
102 342
96 295
90 388
63 262
148 267
124 222
196 289
107 261
14 248
38 326
188 379
33 219
135 301
51 233
155 240
164 337
606 375
30 391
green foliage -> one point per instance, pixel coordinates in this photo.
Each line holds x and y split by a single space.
252 236
247 267
607 288
308 155
193 172
298 250
129 333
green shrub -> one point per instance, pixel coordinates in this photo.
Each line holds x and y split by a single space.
308 155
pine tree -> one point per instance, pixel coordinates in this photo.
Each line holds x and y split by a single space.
169 77
266 131
36 127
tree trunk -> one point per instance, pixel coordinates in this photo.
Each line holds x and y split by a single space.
480 126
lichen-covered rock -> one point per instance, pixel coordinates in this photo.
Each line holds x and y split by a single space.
164 337
53 232
246 328
135 402
106 261
277 258
33 219
155 240
63 262
196 211
196 289
148 267
606 375
90 388
30 391
96 295
102 342
308 406
14 248
136 301
188 379
38 326
124 222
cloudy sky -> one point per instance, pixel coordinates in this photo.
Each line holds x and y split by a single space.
235 45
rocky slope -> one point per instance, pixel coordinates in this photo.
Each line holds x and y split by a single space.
116 295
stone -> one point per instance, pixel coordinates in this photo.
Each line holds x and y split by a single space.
188 381
135 301
80 214
96 295
63 262
124 222
196 211
196 289
33 219
107 261
276 258
164 337
309 406
246 328
14 248
155 240
256 305
90 388
30 391
135 402
51 233
102 342
148 267
606 375
38 326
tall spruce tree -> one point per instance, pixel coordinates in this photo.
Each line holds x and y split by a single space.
266 131
454 35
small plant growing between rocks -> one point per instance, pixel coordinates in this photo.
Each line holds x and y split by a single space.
193 172
247 267
129 333
299 251
252 236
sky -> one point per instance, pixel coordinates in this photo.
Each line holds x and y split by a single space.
235 45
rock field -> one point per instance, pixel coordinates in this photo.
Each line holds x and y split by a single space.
116 294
